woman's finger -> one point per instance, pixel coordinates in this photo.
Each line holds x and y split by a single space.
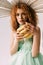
29 25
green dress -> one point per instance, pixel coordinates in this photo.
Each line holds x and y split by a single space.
24 54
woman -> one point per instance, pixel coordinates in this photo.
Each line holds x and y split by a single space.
25 52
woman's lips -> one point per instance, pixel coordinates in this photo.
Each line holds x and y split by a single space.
22 20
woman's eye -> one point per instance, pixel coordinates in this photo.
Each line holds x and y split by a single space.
17 14
20 14
23 14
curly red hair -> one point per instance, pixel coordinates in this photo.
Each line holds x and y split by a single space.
32 16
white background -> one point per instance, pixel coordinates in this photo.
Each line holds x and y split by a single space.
5 38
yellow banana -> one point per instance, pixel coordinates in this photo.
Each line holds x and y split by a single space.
28 35
24 32
20 28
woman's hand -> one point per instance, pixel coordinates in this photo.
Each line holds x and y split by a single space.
29 28
15 37
18 36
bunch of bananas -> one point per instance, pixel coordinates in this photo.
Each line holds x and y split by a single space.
23 31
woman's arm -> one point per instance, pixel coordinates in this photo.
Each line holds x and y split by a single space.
36 43
14 44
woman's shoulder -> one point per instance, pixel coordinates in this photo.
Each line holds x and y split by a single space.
13 33
38 29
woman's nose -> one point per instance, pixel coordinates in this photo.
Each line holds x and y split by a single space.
20 16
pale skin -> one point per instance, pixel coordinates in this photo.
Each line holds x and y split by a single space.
15 37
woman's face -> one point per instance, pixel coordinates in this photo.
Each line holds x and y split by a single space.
21 16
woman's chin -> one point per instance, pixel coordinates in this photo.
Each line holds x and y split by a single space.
21 23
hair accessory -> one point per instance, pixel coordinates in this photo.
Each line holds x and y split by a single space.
6 5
